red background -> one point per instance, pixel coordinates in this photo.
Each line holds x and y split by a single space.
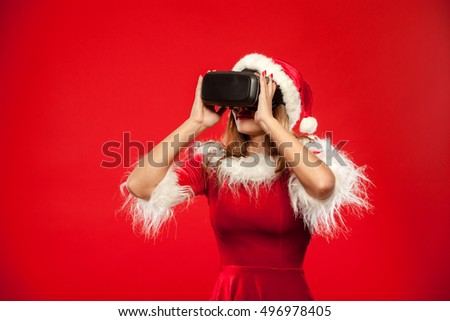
75 75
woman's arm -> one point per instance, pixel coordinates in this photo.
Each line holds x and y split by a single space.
313 173
154 166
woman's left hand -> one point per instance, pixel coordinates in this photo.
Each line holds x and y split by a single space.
267 90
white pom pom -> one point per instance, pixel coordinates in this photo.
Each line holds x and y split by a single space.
308 125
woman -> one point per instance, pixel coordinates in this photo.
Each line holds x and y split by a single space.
268 190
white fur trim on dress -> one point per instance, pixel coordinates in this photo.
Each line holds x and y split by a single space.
150 215
325 217
291 96
251 172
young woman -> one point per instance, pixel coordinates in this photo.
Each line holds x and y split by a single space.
268 189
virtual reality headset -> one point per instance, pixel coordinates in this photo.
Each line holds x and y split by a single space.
234 89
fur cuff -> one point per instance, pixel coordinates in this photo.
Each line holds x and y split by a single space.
324 217
150 215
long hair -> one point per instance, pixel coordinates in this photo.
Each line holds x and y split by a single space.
237 144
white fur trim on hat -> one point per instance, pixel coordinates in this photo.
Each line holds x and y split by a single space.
308 125
291 96
325 217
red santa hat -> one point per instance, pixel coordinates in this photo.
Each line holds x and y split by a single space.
296 92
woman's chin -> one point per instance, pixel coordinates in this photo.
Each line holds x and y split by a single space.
249 127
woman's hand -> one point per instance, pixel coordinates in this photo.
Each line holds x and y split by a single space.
201 114
267 90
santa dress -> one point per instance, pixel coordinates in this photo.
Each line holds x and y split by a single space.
262 220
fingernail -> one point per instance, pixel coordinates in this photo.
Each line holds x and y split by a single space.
264 73
271 75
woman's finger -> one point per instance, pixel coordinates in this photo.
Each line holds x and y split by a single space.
198 99
270 86
262 83
199 86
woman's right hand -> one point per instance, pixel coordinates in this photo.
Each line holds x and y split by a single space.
201 114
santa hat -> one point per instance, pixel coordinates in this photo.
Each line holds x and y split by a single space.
296 92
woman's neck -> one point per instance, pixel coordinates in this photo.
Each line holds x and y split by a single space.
256 144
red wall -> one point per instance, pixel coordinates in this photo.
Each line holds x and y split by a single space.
75 75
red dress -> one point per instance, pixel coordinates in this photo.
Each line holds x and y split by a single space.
262 221
261 243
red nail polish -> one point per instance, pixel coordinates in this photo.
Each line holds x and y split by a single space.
264 73
271 75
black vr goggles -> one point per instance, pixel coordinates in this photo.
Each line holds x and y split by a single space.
234 89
